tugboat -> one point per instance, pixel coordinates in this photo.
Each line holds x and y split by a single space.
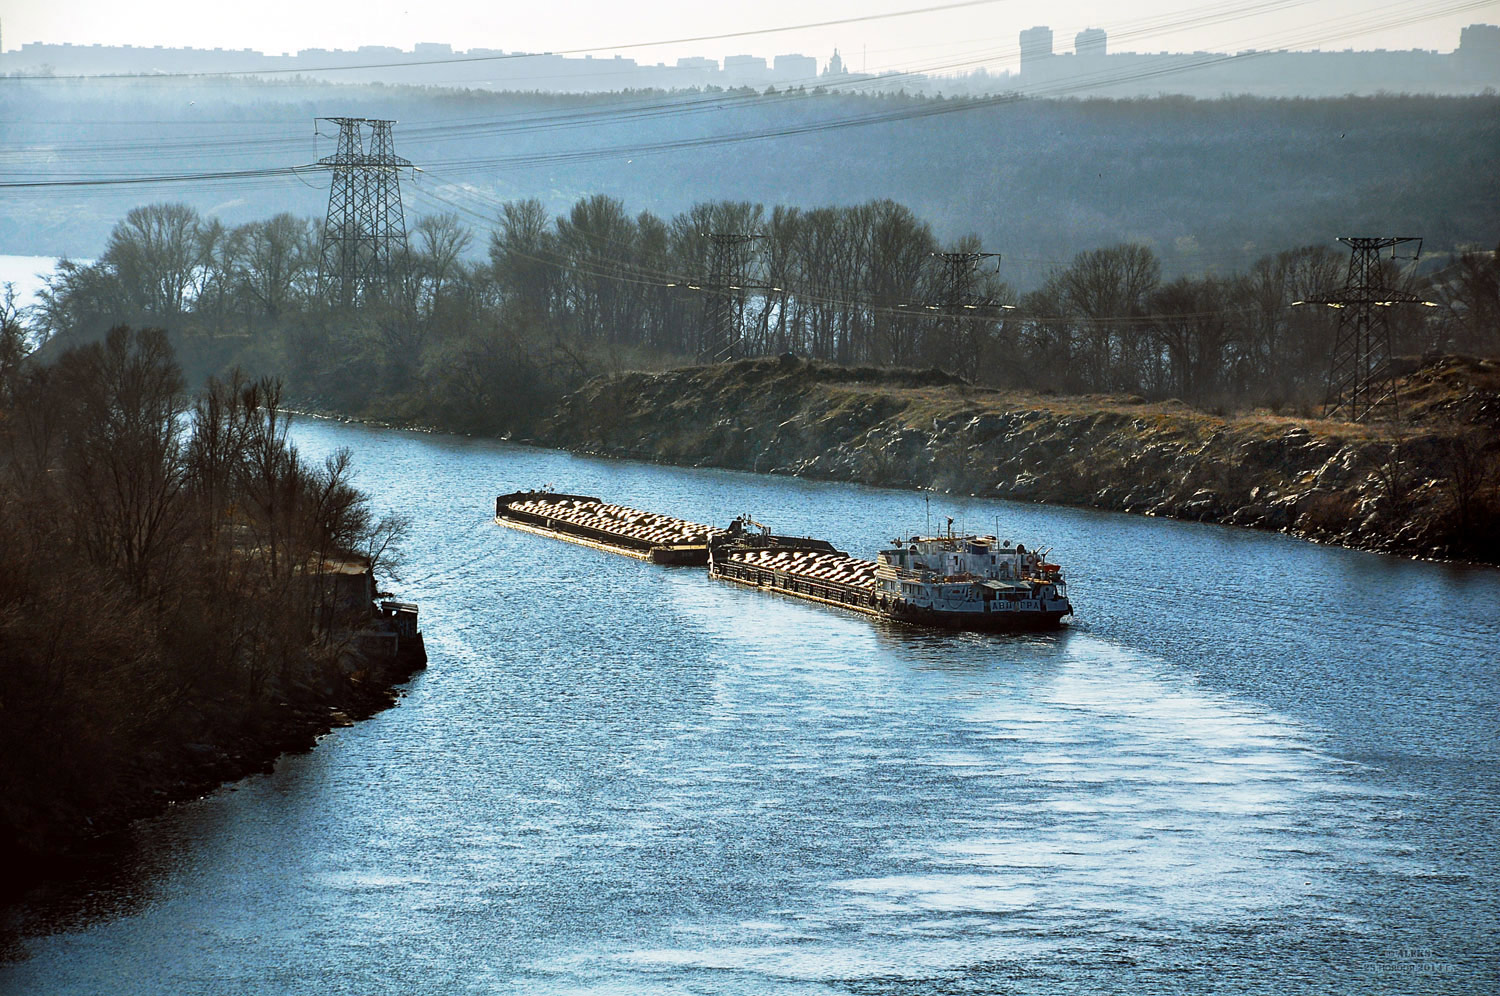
971 582
957 582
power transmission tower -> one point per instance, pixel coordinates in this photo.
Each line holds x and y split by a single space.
1360 383
956 295
724 281
958 273
364 237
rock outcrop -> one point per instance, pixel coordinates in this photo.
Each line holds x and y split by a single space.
1426 487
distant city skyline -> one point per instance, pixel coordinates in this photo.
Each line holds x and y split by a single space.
915 37
1048 68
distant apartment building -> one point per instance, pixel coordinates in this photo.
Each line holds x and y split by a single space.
794 69
745 70
1090 42
1036 48
1091 70
1479 44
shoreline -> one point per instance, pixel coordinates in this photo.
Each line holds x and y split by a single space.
553 436
234 745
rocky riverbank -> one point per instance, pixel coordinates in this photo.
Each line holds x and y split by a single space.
1426 486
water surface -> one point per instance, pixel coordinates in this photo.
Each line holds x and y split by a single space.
1252 764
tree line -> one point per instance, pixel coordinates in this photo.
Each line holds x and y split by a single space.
486 340
168 569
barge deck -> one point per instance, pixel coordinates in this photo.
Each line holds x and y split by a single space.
808 569
591 522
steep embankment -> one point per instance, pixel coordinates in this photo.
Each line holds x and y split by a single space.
1426 488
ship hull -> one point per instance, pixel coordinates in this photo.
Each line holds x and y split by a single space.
979 622
873 603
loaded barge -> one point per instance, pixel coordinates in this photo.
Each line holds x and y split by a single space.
955 582
591 522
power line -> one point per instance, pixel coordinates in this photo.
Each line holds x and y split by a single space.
1361 385
365 232
458 60
469 129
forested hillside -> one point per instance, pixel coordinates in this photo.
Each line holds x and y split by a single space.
1206 184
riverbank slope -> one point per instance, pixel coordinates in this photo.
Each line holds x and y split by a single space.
207 741
1424 486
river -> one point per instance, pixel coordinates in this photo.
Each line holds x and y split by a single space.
28 275
1251 764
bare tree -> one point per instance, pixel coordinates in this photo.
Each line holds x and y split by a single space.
1189 325
1107 289
596 239
523 255
1469 291
278 254
901 247
442 240
155 252
122 453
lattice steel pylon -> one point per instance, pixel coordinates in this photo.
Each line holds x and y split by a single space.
725 284
958 298
364 237
958 279
1360 383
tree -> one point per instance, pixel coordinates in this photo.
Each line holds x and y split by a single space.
442 240
1048 339
1470 459
596 240
1188 324
215 294
901 248
1107 288
1469 291
523 255
12 345
122 453
80 301
279 254
155 252
778 270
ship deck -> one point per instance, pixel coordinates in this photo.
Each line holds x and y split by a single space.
587 521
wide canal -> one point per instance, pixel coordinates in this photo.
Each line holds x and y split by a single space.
1251 764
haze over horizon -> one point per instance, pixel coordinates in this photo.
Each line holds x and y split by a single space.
896 34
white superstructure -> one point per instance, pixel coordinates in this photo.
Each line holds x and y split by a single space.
967 575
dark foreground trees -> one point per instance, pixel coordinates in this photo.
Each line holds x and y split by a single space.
165 567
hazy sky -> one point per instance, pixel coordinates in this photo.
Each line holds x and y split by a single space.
935 40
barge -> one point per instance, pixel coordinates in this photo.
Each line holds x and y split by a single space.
963 582
954 582
591 522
